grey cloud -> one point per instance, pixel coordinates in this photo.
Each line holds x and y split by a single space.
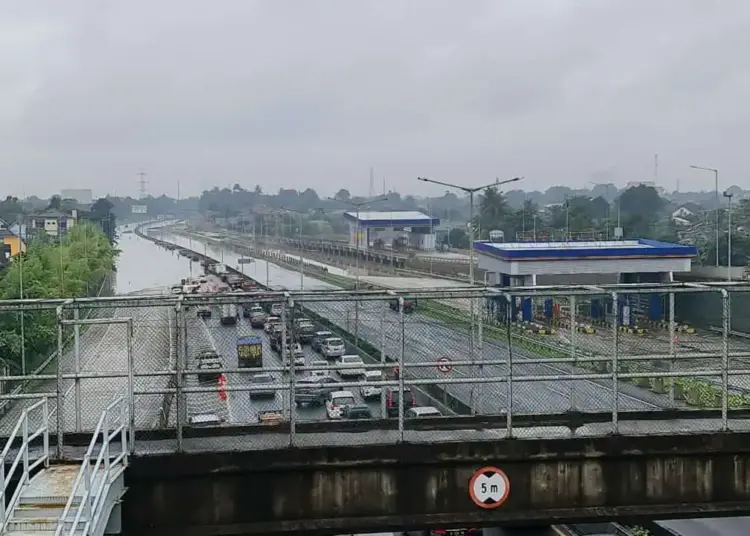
296 93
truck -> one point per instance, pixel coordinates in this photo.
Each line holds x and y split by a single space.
250 352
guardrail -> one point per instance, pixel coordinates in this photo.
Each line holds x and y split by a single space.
23 458
93 479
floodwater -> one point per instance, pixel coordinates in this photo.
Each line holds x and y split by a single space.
144 265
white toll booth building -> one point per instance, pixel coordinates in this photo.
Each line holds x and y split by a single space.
523 264
392 229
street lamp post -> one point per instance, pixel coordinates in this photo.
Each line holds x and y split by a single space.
357 207
471 192
716 193
729 234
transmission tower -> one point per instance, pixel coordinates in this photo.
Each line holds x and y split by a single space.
142 185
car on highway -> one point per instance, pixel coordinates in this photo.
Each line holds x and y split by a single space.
276 309
356 412
421 412
392 403
333 347
260 386
204 311
312 390
229 314
318 339
276 341
305 330
209 366
351 366
369 392
271 417
249 310
258 320
321 366
271 321
336 401
298 353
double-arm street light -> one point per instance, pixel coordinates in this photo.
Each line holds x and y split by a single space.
301 259
473 307
358 206
716 193
471 192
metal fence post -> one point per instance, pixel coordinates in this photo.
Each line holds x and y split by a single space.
180 363
574 364
509 376
60 388
724 358
77 333
131 383
480 347
671 346
382 361
401 371
292 377
284 349
615 361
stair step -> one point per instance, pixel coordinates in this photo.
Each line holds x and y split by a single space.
40 524
26 511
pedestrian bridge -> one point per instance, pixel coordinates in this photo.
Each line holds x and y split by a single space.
579 425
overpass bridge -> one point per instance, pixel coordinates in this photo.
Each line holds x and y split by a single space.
641 425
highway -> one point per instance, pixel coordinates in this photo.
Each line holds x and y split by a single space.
427 339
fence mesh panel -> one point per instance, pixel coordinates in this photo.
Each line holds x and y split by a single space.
328 367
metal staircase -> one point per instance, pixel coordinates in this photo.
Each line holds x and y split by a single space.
64 498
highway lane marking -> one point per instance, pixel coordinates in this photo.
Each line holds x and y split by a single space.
83 364
211 339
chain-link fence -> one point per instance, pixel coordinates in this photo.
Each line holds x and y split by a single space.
266 370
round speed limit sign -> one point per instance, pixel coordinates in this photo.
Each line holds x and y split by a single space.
489 487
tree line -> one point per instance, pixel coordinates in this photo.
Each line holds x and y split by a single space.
76 265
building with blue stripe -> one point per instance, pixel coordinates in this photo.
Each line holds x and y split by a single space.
523 264
410 229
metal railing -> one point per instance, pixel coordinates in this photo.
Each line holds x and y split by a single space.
94 478
23 458
502 370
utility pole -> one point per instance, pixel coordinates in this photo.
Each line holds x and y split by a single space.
142 185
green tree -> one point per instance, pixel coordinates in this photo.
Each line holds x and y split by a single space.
75 266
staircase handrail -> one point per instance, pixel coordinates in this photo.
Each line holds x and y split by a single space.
90 501
22 425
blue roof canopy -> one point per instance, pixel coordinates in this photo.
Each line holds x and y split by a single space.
611 249
392 218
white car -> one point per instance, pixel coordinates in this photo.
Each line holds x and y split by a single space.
372 391
271 321
347 366
333 347
336 401
298 354
321 368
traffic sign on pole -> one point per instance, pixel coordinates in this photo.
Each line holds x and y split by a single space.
444 364
489 487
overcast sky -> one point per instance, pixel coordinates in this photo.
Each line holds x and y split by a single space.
312 93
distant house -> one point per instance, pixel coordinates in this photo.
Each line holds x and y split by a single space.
686 211
50 222
10 242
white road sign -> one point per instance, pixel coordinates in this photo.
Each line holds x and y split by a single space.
489 487
138 209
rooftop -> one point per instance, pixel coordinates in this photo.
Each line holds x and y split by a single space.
591 249
390 217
